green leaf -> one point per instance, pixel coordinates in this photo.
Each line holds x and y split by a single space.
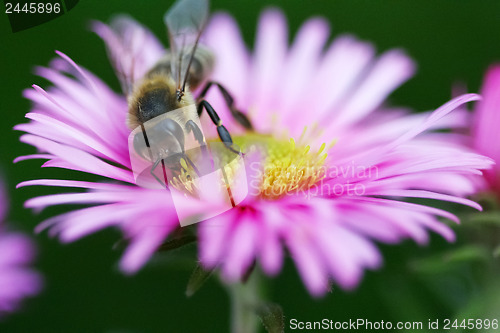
496 252
489 201
450 259
197 279
271 316
248 272
177 242
467 253
488 218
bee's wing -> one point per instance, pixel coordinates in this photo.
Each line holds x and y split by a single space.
132 49
185 22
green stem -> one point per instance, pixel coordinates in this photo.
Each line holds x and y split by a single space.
244 299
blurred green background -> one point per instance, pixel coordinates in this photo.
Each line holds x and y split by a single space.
451 40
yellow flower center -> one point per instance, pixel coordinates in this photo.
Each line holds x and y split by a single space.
287 166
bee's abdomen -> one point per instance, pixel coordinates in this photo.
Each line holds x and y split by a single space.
201 67
162 67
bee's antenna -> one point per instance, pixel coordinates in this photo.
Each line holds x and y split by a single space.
191 58
180 91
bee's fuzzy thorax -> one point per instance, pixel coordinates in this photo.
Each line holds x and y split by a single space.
154 95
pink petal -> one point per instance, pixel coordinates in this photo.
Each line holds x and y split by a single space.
390 71
244 243
271 45
145 242
78 159
308 261
304 54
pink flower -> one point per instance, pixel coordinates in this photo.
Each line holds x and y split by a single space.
486 137
324 196
17 280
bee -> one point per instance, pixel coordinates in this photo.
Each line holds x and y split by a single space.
162 105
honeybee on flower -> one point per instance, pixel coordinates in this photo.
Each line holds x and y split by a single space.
300 203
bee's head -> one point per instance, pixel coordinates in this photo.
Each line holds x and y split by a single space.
163 139
180 94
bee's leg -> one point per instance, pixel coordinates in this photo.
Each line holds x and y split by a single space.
152 171
239 116
221 130
198 135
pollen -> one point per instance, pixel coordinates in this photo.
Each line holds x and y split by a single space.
184 182
288 166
